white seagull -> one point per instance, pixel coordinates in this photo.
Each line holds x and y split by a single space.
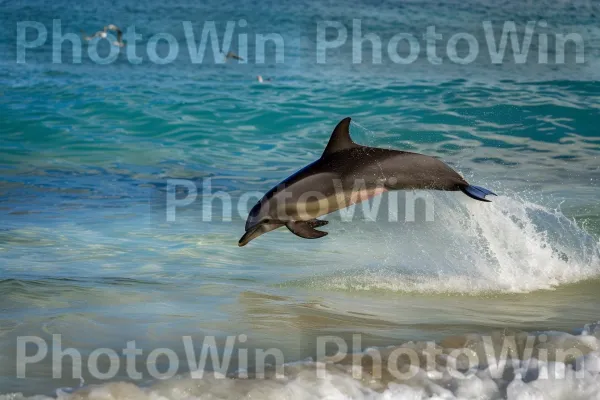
103 34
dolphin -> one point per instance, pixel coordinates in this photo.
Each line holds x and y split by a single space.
347 173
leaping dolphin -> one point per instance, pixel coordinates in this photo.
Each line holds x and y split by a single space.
329 184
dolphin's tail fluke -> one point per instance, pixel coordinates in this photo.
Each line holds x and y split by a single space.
477 192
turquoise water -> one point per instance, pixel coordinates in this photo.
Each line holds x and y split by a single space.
86 151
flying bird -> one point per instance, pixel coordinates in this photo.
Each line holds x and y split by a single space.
234 56
104 33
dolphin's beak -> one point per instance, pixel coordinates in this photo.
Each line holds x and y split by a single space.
256 231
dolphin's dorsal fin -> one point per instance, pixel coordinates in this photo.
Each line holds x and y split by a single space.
340 138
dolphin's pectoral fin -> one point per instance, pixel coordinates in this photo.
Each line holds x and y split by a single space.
315 223
305 229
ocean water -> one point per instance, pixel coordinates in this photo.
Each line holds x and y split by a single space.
86 150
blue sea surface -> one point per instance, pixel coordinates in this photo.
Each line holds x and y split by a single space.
87 149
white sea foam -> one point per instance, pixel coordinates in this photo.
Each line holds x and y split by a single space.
509 245
529 378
